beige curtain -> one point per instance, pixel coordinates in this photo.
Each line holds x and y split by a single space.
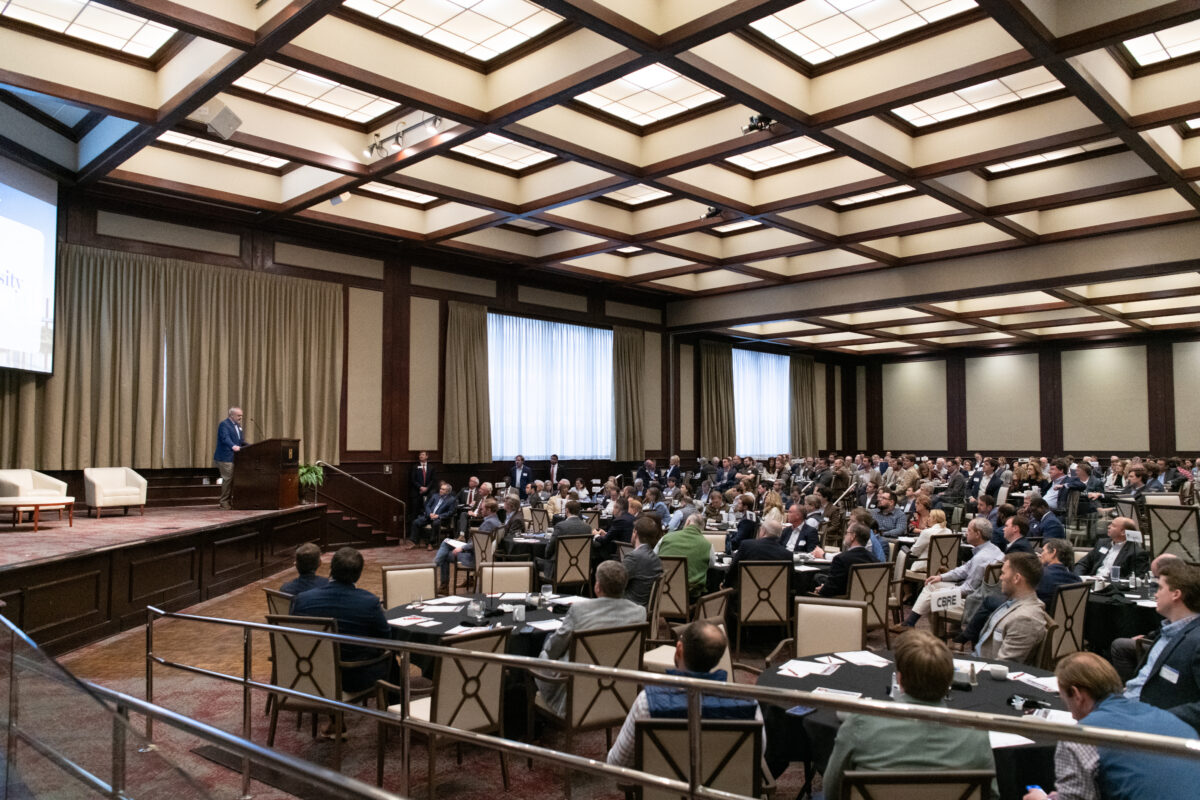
629 367
151 352
718 436
802 411
467 431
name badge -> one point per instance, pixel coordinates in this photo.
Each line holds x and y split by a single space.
1172 675
1103 550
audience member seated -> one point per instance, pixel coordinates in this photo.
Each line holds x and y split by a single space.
924 671
1015 629
937 525
1123 653
892 521
967 576
608 609
802 533
1091 690
573 525
864 517
654 505
358 613
990 482
856 549
698 651
472 515
1169 676
1115 550
766 547
689 542
308 560
620 530
556 504
439 511
747 523
464 550
1016 529
642 564
514 521
956 488
1043 522
686 507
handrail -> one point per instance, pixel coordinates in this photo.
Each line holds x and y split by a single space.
329 781
1163 745
356 479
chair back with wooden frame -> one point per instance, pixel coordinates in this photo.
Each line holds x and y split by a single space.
278 603
673 598
405 583
762 596
828 625
505 577
309 665
1176 531
711 607
539 520
943 552
869 583
917 785
730 755
1002 496
1070 615
624 549
572 561
592 518
717 540
467 695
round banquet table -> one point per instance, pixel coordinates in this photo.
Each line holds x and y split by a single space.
792 738
526 544
804 574
1114 613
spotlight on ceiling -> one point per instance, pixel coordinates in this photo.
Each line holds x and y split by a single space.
393 143
712 212
432 124
339 199
373 146
758 122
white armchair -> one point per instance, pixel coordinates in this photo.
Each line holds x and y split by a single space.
28 483
114 487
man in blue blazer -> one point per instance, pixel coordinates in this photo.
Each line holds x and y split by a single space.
519 476
229 441
1047 525
358 613
439 511
1169 677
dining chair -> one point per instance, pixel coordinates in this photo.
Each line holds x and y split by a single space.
539 520
917 784
405 583
821 625
762 596
869 583
730 755
1175 531
278 602
673 603
572 562
505 577
1070 616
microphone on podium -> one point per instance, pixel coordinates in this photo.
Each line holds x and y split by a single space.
258 429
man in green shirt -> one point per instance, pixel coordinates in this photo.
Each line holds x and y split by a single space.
924 670
689 542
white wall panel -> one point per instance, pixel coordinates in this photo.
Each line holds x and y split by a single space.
1104 400
1003 403
914 406
1187 395
364 371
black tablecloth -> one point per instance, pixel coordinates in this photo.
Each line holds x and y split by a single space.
803 581
533 549
1111 615
524 640
791 738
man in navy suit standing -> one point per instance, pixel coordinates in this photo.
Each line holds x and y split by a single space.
229 441
519 476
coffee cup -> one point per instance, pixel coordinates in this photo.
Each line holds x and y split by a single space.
999 672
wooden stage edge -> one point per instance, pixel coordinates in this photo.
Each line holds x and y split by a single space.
68 600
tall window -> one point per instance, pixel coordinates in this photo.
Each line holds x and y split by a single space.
551 389
760 403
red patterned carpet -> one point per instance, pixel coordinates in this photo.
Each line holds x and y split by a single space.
55 539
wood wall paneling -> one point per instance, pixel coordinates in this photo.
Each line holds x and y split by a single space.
849 408
1050 401
1160 397
956 404
874 382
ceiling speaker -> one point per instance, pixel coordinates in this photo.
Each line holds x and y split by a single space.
218 118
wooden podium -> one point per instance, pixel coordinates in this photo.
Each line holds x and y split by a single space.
266 474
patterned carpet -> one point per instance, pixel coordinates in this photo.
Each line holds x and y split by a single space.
118 663
55 539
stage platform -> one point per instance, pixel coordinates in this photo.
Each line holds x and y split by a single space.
69 585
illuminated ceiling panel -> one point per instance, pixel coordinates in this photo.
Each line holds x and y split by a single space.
776 155
398 193
481 29
497 149
637 194
1041 158
876 195
1165 44
217 148
979 97
313 91
819 30
648 95
92 22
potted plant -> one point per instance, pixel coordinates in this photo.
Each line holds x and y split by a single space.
311 476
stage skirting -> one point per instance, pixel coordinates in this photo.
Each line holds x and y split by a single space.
67 586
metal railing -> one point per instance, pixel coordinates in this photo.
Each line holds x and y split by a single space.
693 687
59 719
377 490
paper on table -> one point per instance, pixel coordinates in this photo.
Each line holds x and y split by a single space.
805 568
838 692
802 669
1054 715
459 629
448 600
999 739
546 624
412 619
443 610
1049 684
827 660
430 624
864 658
512 596
1147 604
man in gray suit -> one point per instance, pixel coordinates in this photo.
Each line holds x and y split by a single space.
573 525
608 609
642 564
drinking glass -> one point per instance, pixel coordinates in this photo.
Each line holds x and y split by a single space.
547 590
1114 574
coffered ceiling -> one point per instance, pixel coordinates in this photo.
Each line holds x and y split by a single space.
609 140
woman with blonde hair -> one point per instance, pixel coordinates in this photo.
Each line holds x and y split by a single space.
936 523
773 507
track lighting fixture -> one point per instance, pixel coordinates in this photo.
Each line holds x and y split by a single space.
712 212
394 142
758 122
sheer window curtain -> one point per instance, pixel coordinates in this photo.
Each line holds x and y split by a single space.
761 399
550 388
